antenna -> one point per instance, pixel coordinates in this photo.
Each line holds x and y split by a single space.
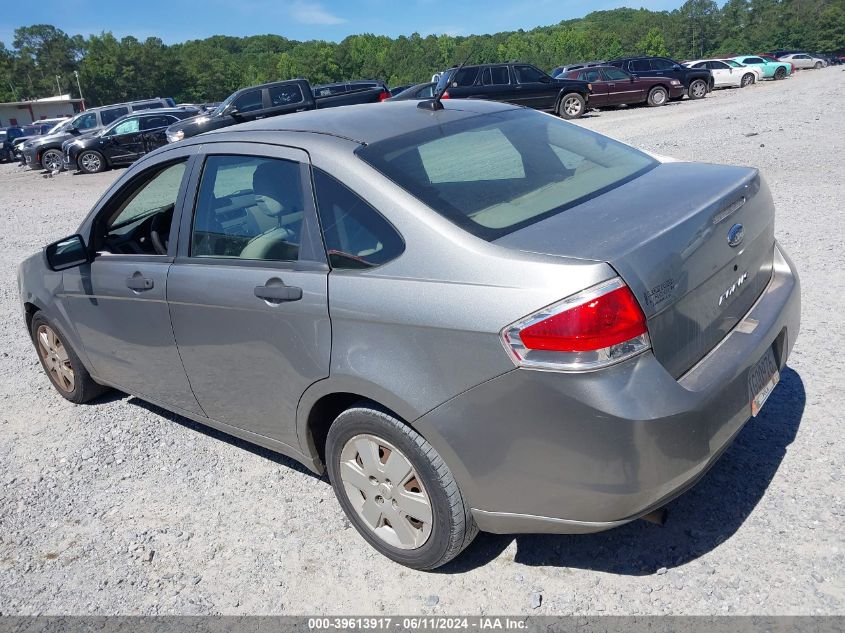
434 104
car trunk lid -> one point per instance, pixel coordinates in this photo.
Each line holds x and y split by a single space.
667 235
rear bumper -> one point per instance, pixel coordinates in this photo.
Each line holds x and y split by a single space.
567 453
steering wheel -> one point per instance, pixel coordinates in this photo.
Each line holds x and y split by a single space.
159 228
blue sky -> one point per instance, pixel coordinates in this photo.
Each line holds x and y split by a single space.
176 21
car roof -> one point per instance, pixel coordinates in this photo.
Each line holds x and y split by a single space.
370 122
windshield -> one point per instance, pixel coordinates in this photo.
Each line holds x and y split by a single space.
223 104
493 174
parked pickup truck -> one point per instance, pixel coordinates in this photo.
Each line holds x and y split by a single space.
696 81
276 98
517 83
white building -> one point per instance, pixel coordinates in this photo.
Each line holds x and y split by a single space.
24 112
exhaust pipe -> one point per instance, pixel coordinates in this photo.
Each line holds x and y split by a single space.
657 517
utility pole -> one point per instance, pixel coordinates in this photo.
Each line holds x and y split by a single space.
58 87
79 88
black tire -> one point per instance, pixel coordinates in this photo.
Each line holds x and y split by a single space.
780 73
91 162
571 106
697 89
658 96
818 65
452 524
84 388
747 80
51 160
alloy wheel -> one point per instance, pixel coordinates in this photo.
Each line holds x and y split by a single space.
386 491
90 162
699 89
747 79
55 358
572 106
659 97
52 161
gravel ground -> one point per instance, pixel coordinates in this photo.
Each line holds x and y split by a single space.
120 507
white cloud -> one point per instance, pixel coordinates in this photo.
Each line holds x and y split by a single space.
313 13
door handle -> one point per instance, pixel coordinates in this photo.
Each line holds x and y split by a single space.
138 282
278 293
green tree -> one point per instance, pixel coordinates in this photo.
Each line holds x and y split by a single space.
653 44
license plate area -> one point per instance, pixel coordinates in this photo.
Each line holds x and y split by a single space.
762 379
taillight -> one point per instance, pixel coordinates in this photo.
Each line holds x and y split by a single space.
383 96
445 95
594 328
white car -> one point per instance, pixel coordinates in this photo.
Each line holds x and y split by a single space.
802 61
727 74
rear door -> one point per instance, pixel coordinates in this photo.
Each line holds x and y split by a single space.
152 130
496 83
600 95
248 291
285 98
125 143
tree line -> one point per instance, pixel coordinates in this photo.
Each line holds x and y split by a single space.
42 58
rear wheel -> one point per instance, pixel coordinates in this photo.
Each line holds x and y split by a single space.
780 73
697 89
747 80
61 364
571 106
658 96
396 490
91 162
51 160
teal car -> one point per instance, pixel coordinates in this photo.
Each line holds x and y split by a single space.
769 67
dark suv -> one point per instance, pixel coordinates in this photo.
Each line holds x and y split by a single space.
517 83
696 81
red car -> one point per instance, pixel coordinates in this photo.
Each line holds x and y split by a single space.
614 86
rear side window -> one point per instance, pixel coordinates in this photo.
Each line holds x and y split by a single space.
355 234
285 94
465 77
496 76
248 207
589 75
112 114
157 121
661 64
494 174
640 65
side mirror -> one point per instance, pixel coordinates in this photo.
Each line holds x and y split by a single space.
233 112
545 79
75 131
676 67
67 253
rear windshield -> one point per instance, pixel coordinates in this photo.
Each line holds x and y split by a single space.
493 174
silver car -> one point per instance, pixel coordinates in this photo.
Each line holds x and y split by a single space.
474 317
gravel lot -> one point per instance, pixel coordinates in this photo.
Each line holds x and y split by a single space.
120 507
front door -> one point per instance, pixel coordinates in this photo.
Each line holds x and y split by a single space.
534 88
118 301
125 142
623 87
248 293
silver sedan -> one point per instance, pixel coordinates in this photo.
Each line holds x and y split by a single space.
473 315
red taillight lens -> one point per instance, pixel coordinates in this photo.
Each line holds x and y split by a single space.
383 96
594 328
445 95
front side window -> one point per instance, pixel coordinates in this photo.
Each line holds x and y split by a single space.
129 126
754 60
249 101
285 94
528 74
248 207
616 74
146 209
355 234
112 114
496 173
662 64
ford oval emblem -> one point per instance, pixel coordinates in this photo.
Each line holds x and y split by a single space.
735 235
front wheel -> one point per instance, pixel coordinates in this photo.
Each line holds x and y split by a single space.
571 106
780 73
747 80
91 162
818 65
697 89
61 364
396 490
52 160
658 96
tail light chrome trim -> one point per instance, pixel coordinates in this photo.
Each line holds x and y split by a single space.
579 361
